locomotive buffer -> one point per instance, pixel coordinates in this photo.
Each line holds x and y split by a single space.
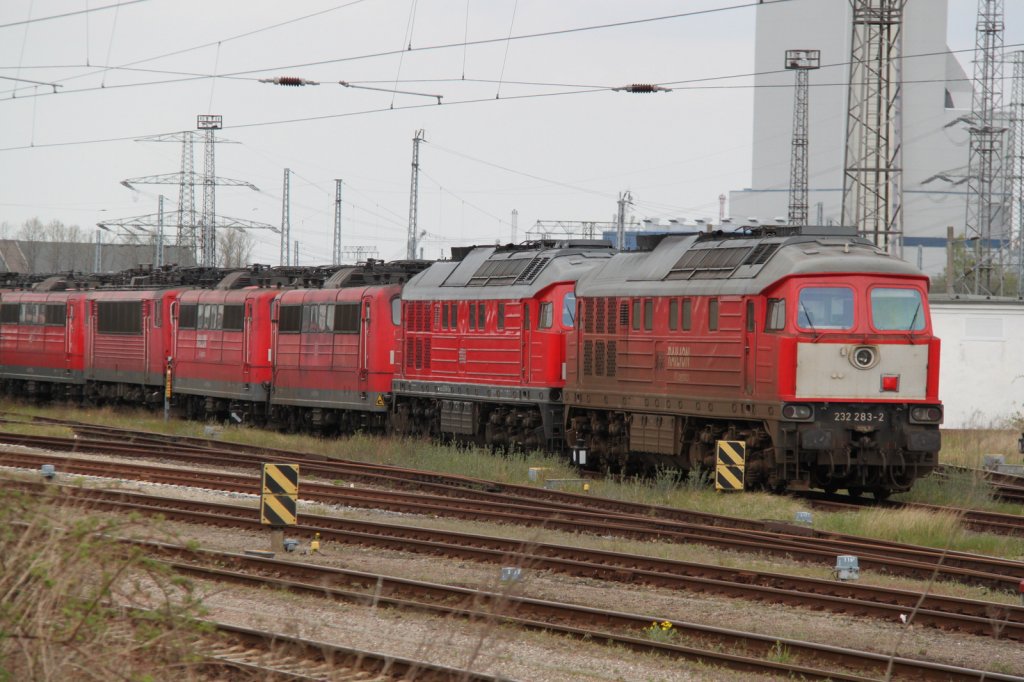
279 501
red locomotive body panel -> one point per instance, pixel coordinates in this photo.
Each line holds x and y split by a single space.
336 348
222 343
128 336
42 336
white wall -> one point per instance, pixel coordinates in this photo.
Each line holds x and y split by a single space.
981 379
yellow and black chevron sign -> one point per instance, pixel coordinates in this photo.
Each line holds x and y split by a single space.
280 495
730 460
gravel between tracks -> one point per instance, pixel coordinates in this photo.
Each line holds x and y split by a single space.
536 656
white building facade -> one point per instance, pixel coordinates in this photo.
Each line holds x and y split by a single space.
981 382
936 92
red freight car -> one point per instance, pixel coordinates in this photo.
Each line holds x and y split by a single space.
222 352
128 340
335 349
42 337
810 345
483 349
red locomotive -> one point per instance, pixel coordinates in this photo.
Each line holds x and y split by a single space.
811 346
483 349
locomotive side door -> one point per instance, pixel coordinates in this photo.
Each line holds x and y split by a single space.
749 347
364 342
525 337
247 341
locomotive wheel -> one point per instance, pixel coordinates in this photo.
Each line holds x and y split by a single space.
855 491
830 489
881 493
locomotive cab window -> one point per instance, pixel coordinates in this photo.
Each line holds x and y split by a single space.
547 317
481 316
895 309
713 315
648 315
10 313
346 318
289 319
119 317
673 314
500 320
775 320
687 306
444 316
472 316
396 312
569 310
825 308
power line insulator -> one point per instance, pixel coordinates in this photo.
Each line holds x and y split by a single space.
292 81
641 88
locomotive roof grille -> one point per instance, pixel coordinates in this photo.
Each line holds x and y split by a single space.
498 272
714 263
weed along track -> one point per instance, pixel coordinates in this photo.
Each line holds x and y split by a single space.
950 613
554 509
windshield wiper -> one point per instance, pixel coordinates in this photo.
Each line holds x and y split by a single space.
807 314
910 330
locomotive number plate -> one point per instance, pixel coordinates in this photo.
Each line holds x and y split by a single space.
859 417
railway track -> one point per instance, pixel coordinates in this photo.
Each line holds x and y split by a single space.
815 547
951 613
709 645
276 656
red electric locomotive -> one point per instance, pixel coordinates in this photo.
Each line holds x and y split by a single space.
42 337
128 339
222 359
810 345
335 349
483 347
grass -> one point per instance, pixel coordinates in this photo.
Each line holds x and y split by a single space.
67 594
968 447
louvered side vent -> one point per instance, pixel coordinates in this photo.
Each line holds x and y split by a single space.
624 315
426 353
600 317
419 353
437 317
613 348
532 270
409 353
599 358
761 254
588 315
588 358
611 315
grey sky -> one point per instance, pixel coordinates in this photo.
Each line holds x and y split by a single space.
563 156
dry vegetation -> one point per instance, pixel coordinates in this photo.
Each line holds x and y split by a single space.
76 605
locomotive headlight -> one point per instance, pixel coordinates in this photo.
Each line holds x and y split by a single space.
864 357
797 412
926 414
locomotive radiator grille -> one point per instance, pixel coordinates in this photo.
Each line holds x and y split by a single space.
611 315
588 358
599 358
612 349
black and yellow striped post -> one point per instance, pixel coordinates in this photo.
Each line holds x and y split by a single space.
730 460
279 501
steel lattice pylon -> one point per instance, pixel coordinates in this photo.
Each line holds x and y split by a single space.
801 61
1016 166
986 221
286 218
208 239
872 182
336 250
